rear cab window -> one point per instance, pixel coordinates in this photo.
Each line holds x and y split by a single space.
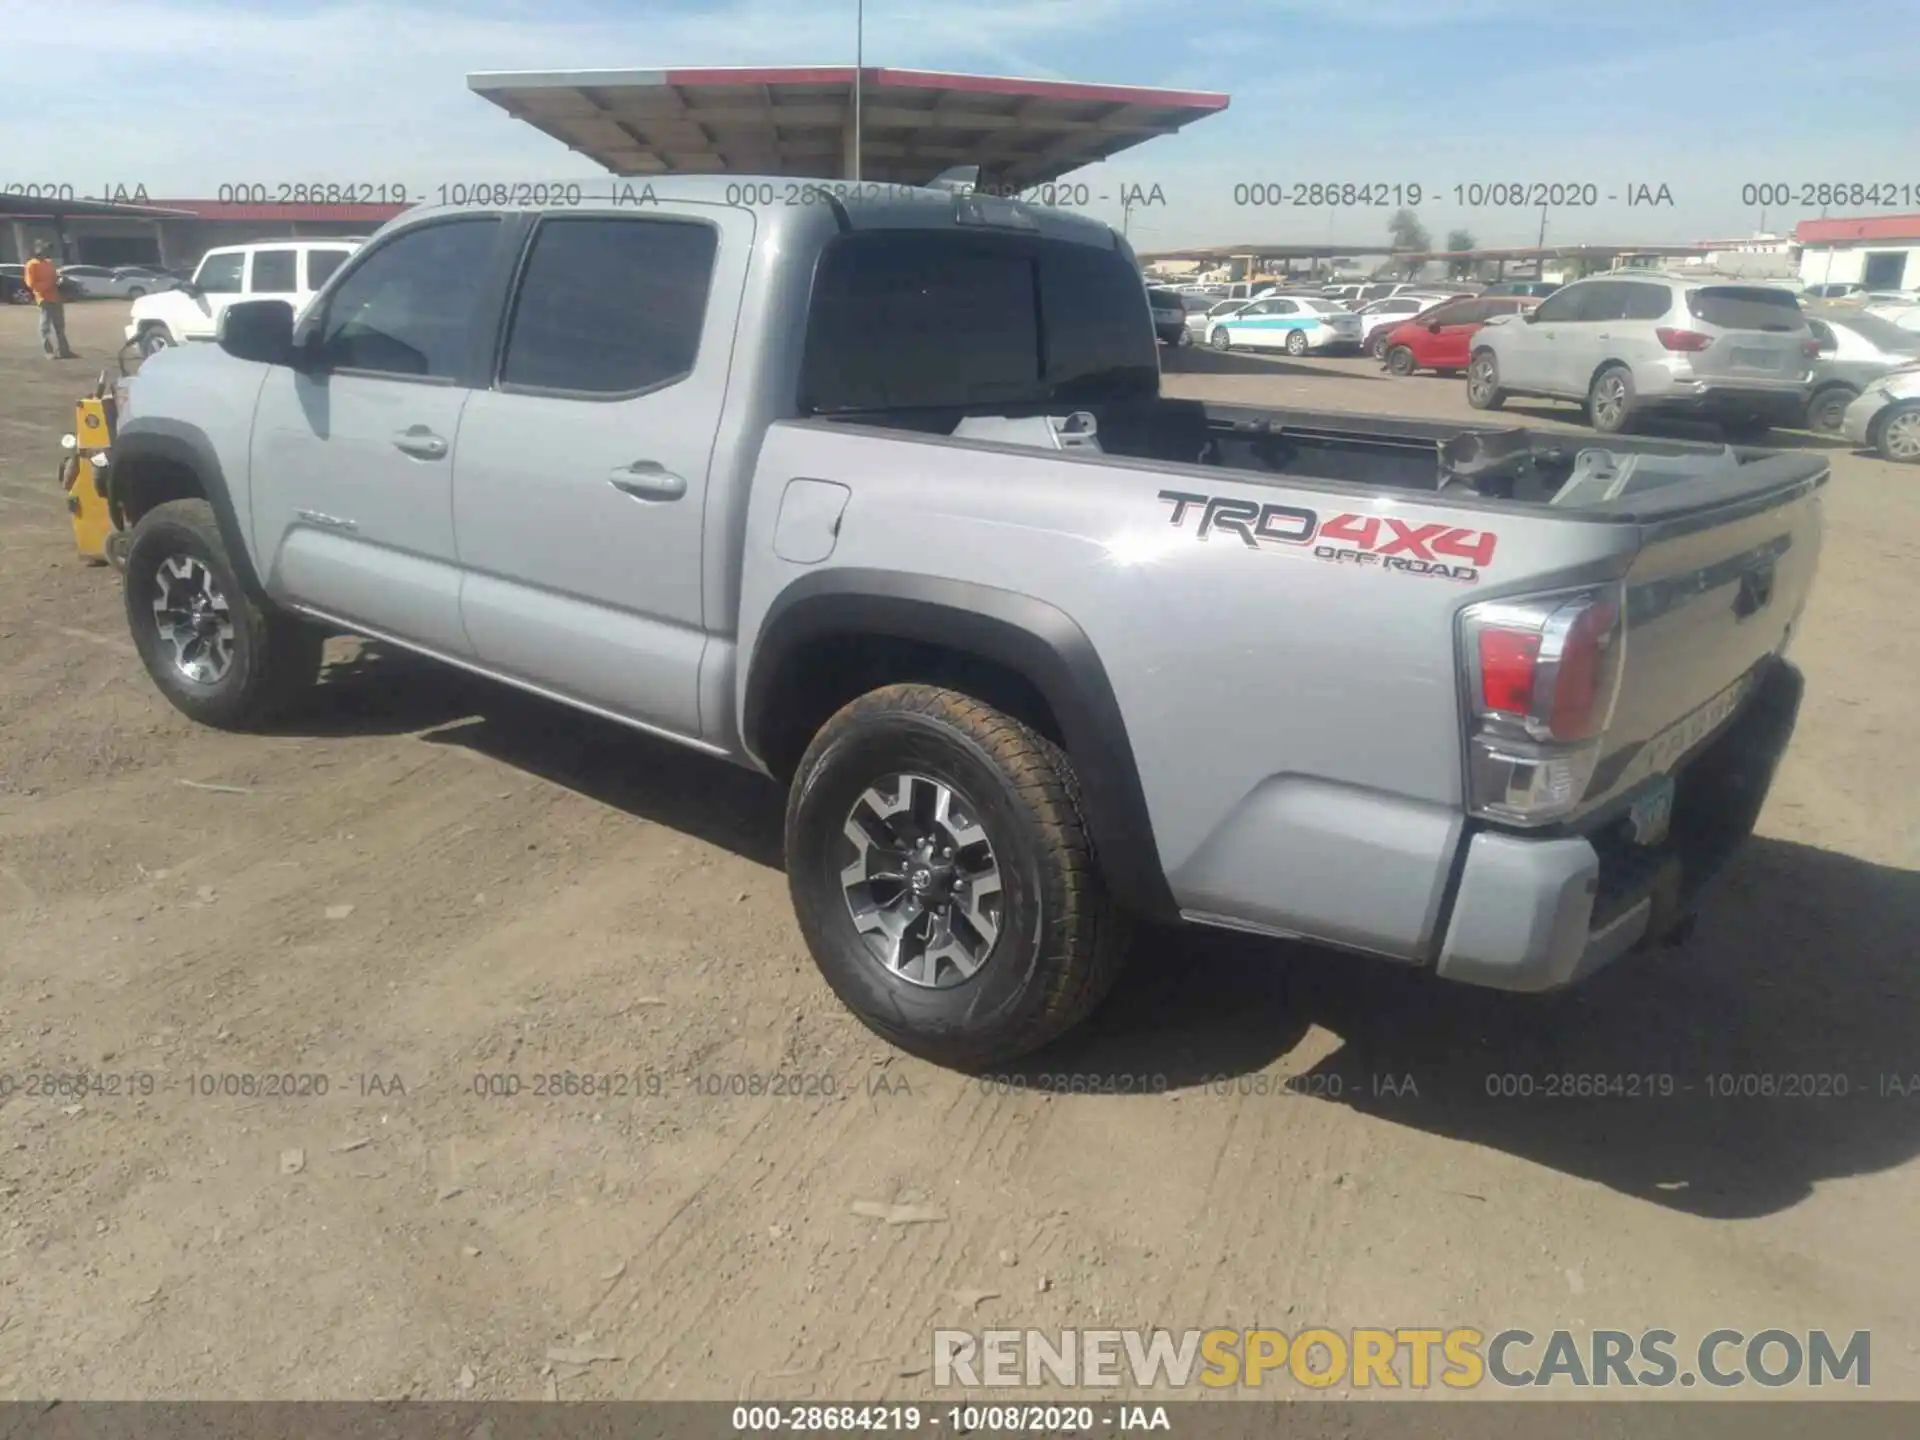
1746 307
946 320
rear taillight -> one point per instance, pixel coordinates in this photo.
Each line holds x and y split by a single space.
1810 349
1682 339
1540 677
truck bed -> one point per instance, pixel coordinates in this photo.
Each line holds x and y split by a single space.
1468 461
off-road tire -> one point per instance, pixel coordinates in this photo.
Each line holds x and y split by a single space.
275 658
1061 939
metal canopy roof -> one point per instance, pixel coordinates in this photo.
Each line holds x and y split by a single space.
42 207
799 121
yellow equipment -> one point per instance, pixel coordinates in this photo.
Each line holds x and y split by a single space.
83 476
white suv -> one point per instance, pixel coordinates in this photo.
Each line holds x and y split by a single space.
290 270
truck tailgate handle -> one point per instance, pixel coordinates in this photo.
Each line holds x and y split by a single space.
648 480
419 440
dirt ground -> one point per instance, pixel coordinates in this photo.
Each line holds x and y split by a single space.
425 882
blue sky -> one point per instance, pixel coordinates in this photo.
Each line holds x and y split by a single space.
1700 95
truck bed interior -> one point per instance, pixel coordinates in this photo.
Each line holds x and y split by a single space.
1491 461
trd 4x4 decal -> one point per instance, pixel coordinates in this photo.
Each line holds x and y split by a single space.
1409 547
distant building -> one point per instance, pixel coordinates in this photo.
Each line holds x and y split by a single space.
1881 252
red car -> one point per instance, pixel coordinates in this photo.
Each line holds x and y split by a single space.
1438 339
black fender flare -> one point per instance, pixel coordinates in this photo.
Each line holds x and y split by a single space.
177 443
1030 637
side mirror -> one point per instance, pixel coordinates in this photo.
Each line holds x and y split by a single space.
1530 316
258 330
189 289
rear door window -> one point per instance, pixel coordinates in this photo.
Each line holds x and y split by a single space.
609 306
1641 301
1746 307
273 272
937 319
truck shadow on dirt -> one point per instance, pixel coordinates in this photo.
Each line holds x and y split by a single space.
1725 1078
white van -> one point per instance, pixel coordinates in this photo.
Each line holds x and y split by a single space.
290 270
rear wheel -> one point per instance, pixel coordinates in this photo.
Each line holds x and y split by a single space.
216 654
1296 342
1897 436
1377 344
1483 382
1400 361
943 877
1610 400
1827 411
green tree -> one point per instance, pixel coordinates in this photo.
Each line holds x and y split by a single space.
1409 234
1459 240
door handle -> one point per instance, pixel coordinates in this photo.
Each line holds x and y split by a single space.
419 440
648 480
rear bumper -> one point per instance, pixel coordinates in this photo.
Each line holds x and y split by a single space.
1538 913
1783 403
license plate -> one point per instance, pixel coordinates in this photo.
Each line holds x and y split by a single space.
1652 814
1767 360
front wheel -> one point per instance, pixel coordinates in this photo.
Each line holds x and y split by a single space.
1220 339
1483 382
1898 437
943 877
217 655
1400 361
153 339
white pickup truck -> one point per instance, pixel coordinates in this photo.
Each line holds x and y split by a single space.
878 495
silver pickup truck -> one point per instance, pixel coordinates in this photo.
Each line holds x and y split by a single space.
878 495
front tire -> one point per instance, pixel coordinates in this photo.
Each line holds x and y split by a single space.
1220 339
153 339
1483 382
216 654
1400 361
1897 435
943 877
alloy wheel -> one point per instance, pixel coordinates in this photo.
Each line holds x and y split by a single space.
193 619
923 887
1902 436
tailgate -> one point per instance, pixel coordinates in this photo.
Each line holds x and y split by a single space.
1715 589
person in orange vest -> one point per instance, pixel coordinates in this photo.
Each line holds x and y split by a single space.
44 281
